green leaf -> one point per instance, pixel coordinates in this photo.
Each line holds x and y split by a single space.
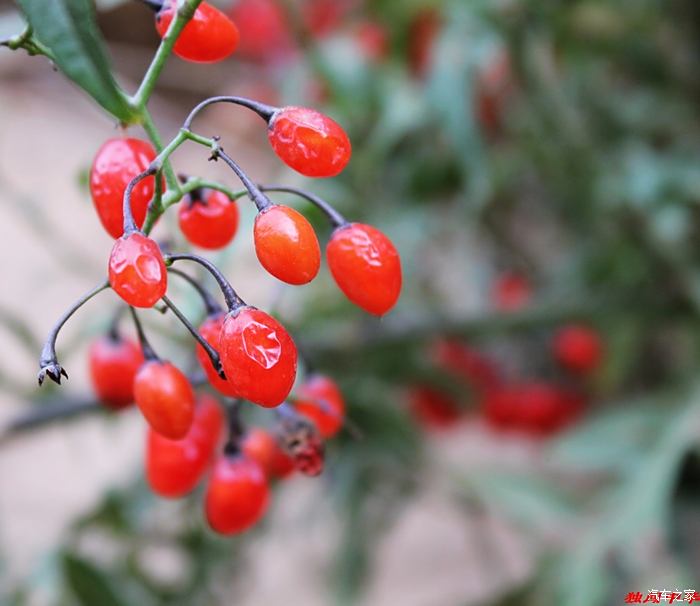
68 29
88 583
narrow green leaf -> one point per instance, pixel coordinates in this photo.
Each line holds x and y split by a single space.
89 584
68 29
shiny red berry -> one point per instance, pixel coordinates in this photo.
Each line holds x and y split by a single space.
287 245
432 408
174 467
258 355
578 348
210 330
309 142
265 34
117 162
366 267
113 363
320 401
237 494
261 446
137 271
208 37
209 223
165 397
511 291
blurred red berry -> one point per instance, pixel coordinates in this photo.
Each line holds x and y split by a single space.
286 245
113 364
210 222
265 34
373 40
423 31
208 37
432 408
237 494
261 446
578 348
137 271
320 400
321 17
467 363
366 267
493 86
116 163
174 467
511 292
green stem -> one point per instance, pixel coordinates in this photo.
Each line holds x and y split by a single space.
153 134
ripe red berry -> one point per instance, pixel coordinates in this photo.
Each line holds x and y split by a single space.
165 397
113 364
467 363
264 31
117 162
258 355
237 494
578 348
432 408
210 222
494 85
321 17
210 330
373 40
262 447
137 271
511 292
309 142
287 245
320 401
422 35
208 37
173 467
366 267
301 440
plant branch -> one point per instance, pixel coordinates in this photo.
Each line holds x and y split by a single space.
264 111
336 219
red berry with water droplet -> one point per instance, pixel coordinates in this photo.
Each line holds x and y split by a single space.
309 142
113 363
174 467
287 245
258 355
578 348
116 163
137 271
237 494
366 267
320 401
210 222
210 331
261 446
165 397
208 37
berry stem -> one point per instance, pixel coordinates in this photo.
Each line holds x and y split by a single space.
233 301
264 111
113 331
195 183
211 352
260 199
154 5
211 305
48 361
148 352
129 224
235 428
336 219
152 131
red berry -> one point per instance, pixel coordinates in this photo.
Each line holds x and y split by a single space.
366 267
208 37
321 17
137 271
165 397
173 467
262 447
373 40
117 162
433 409
511 292
320 401
460 359
209 223
237 494
423 32
578 348
493 87
302 442
287 245
264 31
210 330
309 142
259 356
113 364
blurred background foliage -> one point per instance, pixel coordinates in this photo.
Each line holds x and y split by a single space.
555 142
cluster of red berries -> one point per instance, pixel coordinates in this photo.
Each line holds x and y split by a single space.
245 353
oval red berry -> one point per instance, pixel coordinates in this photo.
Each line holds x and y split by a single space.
210 223
137 271
259 356
578 348
309 142
320 401
113 364
286 245
165 397
116 163
262 447
366 267
237 495
208 37
210 330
